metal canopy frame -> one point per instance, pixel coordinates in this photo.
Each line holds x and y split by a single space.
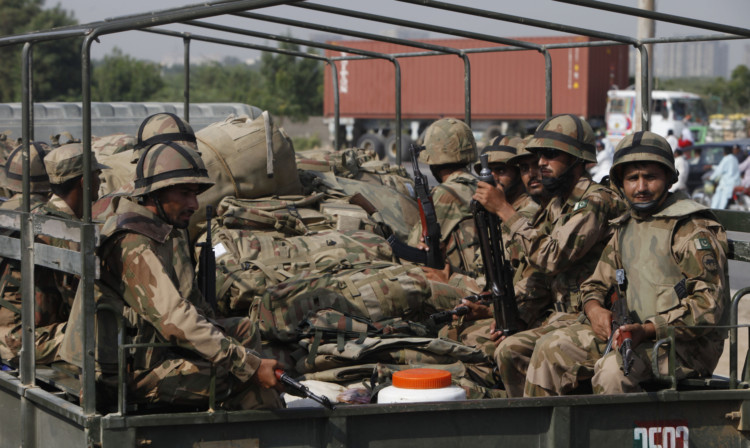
191 15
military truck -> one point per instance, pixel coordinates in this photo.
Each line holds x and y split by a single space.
48 406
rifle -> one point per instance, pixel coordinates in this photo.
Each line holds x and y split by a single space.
497 269
433 258
446 316
301 390
621 316
207 264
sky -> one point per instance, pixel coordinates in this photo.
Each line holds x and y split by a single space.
166 49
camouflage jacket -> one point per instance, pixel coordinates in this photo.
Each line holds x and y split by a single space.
566 238
48 306
146 262
56 289
696 253
452 199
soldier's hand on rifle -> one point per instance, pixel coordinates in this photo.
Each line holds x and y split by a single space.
493 200
496 336
265 376
600 318
477 311
437 275
638 333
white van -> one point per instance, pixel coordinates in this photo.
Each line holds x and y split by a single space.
669 110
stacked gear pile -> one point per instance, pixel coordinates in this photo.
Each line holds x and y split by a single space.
359 164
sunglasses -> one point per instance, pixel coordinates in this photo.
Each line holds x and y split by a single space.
548 153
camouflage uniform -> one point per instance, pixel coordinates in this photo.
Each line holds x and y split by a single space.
450 143
674 258
49 317
148 276
452 199
10 270
563 243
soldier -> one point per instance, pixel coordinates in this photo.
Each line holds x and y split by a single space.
499 153
672 252
564 240
39 181
10 277
65 170
531 287
450 148
147 272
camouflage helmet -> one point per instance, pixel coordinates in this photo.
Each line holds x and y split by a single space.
164 127
449 141
567 133
642 146
66 162
500 150
38 178
521 150
167 164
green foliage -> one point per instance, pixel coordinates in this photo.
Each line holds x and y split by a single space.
56 64
120 77
304 143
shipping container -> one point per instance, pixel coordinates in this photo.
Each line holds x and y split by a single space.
506 86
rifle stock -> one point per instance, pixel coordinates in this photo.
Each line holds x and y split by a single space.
497 269
433 257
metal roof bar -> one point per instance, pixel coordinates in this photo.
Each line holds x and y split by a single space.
289 39
190 36
406 42
660 16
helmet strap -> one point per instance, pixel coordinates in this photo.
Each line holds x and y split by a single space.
556 186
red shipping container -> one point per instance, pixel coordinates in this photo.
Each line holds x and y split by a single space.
507 85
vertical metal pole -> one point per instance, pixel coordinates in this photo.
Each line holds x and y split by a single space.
467 88
547 82
336 106
644 95
28 352
397 66
186 93
88 401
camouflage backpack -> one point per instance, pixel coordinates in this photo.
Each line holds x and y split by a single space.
359 164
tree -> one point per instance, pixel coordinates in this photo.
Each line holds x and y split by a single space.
120 77
292 86
56 64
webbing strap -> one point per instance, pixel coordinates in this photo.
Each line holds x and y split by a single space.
269 142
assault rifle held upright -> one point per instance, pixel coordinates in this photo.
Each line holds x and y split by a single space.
207 264
433 258
497 270
621 316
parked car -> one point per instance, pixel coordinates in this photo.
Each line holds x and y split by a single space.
702 157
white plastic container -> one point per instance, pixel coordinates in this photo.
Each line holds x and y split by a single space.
421 385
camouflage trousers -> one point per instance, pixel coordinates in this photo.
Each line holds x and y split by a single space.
475 334
188 383
693 359
47 343
514 353
562 359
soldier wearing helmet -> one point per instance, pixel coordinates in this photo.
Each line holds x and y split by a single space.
148 273
54 290
10 270
12 176
564 240
531 287
449 150
671 254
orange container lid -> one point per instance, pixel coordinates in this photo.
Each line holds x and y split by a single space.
421 379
